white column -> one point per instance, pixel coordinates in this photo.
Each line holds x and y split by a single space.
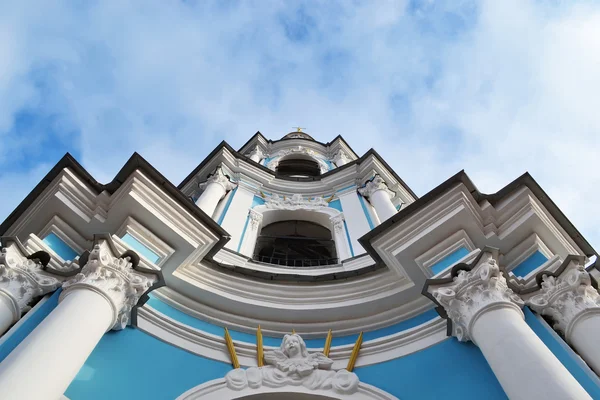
96 300
215 188
251 233
339 236
574 306
340 158
256 155
484 310
380 196
21 280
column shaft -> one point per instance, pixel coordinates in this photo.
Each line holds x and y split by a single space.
383 204
211 196
7 313
584 340
45 363
523 364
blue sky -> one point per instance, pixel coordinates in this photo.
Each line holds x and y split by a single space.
495 87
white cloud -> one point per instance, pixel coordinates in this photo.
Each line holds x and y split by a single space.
494 87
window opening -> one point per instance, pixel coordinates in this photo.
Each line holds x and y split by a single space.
298 168
295 244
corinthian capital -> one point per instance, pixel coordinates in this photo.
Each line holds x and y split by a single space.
22 277
566 297
117 278
373 185
220 178
469 292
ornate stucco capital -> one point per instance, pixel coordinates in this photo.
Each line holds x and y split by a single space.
220 178
255 219
117 278
256 153
470 292
340 158
338 223
567 297
373 185
23 277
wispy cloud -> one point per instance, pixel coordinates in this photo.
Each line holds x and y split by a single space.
494 87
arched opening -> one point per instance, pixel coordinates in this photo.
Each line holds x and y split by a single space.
295 243
298 167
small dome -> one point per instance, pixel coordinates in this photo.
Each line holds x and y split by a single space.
297 135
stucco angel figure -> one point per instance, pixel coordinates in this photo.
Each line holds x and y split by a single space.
291 364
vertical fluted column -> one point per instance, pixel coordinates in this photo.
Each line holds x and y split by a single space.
215 188
569 298
97 299
483 309
256 155
380 196
21 280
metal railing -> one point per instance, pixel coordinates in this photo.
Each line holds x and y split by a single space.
296 262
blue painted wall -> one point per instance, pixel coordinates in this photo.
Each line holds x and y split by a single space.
529 264
563 352
130 364
448 370
60 247
337 204
257 201
449 260
140 248
17 334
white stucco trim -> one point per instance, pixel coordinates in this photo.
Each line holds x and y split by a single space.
217 390
212 346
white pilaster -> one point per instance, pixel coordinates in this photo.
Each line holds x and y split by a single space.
215 188
251 234
235 218
356 219
483 309
96 300
339 236
21 280
574 306
380 196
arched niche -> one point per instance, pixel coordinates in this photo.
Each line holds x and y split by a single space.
327 217
299 152
218 390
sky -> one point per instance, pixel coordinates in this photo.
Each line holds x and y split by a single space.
497 88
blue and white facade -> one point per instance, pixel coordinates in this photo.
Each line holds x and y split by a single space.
139 289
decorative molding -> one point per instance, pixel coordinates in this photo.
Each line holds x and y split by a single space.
340 158
566 298
373 185
472 292
220 178
23 278
146 237
337 221
302 150
255 219
292 365
113 277
443 249
295 202
214 347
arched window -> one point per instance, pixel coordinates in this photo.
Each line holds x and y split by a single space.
295 244
298 168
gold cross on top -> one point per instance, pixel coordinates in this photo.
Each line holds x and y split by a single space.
298 129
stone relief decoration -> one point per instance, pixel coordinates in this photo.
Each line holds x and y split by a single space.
293 365
337 221
255 219
373 185
466 294
220 178
256 154
272 165
296 202
118 278
566 298
23 278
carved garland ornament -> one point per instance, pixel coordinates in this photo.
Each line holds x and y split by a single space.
566 298
115 279
292 365
471 292
296 202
